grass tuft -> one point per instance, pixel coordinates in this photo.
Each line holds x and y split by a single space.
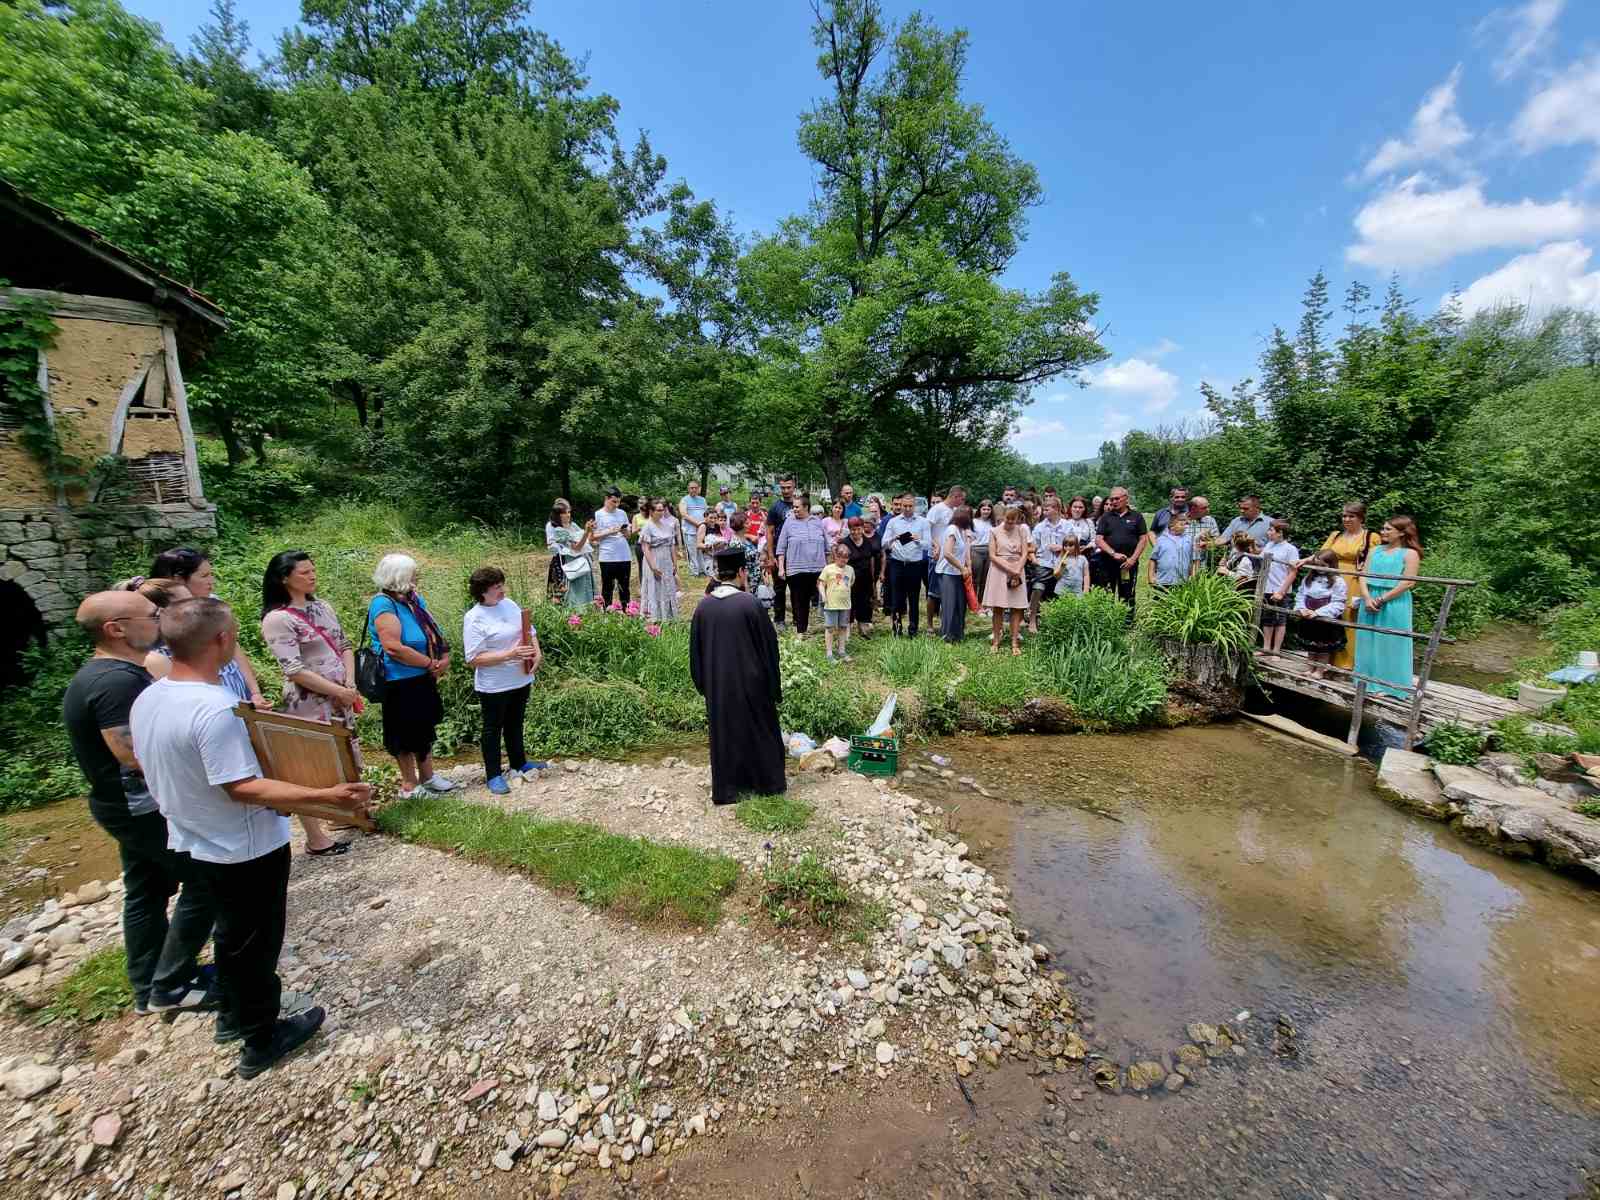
773 814
98 988
606 870
804 887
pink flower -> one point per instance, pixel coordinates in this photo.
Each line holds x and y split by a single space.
653 630
599 602
574 620
616 606
633 608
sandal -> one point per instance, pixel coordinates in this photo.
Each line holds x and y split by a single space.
1016 652
336 848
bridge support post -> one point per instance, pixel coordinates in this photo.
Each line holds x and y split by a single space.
1415 719
1357 706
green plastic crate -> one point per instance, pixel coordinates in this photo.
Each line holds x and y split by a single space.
873 755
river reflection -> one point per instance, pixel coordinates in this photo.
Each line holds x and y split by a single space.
1245 871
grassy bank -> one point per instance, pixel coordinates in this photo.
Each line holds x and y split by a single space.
630 875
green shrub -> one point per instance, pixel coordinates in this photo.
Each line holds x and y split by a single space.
1107 686
36 761
1451 743
1207 610
1587 808
1096 617
587 716
1472 608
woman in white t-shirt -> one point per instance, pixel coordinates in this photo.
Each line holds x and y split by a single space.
982 527
502 665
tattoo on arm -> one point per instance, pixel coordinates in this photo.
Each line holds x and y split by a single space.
119 740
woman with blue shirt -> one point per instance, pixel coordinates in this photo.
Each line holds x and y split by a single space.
415 658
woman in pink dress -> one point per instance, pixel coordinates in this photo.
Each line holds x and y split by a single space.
1004 590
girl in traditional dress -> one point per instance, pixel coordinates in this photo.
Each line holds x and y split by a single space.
1386 604
659 537
1320 602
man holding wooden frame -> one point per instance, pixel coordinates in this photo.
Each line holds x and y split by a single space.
197 756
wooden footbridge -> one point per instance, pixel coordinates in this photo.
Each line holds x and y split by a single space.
1426 702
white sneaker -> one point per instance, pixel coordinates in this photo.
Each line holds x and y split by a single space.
438 783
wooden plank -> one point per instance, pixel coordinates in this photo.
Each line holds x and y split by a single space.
1357 707
1295 730
180 403
86 308
313 754
119 415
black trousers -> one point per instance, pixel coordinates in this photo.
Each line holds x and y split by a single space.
614 576
906 580
780 589
252 908
503 714
802 590
161 954
861 597
1125 587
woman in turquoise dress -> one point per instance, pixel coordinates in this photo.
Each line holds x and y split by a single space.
1386 604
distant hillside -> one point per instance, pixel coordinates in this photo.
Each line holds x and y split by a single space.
1082 464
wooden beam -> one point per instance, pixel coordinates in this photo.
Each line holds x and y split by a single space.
180 403
119 415
88 308
1295 730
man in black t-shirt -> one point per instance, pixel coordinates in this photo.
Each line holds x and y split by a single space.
161 957
1121 537
776 516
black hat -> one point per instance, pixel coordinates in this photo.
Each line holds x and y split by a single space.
614 491
729 555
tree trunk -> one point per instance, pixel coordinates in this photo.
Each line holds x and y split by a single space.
230 435
705 479
833 469
566 476
258 445
377 414
358 396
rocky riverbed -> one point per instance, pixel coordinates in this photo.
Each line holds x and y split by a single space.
487 1037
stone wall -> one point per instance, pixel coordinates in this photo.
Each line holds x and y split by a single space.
59 555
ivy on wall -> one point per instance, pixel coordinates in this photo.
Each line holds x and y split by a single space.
26 330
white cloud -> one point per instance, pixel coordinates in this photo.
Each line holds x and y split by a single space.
1526 32
1550 277
1410 226
1029 430
1566 112
1436 131
1159 351
1136 379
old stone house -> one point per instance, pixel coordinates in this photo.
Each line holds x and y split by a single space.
110 388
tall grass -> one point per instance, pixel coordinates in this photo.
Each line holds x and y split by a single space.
1208 610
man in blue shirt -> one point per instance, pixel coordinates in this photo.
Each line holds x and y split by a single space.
1177 502
692 508
906 543
852 506
1250 520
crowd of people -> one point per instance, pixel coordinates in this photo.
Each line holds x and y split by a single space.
926 566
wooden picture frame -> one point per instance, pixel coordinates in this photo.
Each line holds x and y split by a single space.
313 754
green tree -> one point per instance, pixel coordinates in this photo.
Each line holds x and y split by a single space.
887 287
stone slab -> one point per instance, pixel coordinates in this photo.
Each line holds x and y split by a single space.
1405 775
1521 821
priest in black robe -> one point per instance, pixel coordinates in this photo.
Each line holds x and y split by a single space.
733 657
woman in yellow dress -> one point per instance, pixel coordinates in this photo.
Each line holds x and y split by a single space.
1352 543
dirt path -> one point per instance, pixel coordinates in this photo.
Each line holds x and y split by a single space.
486 1037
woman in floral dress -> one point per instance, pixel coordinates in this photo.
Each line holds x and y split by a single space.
660 584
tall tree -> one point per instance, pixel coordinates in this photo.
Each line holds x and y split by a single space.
887 287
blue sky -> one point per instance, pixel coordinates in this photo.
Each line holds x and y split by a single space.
1200 162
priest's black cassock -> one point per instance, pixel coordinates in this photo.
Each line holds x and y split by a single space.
733 657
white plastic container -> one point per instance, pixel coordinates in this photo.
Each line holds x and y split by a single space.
1540 698
1589 658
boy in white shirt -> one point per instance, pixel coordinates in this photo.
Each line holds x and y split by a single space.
1282 563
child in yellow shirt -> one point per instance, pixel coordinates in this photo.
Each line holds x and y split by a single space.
836 580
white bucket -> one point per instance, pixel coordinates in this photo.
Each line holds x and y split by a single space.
1588 658
1539 697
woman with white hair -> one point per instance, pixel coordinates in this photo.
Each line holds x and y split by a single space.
415 657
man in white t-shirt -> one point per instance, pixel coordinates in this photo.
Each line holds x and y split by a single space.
196 756
612 529
938 525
